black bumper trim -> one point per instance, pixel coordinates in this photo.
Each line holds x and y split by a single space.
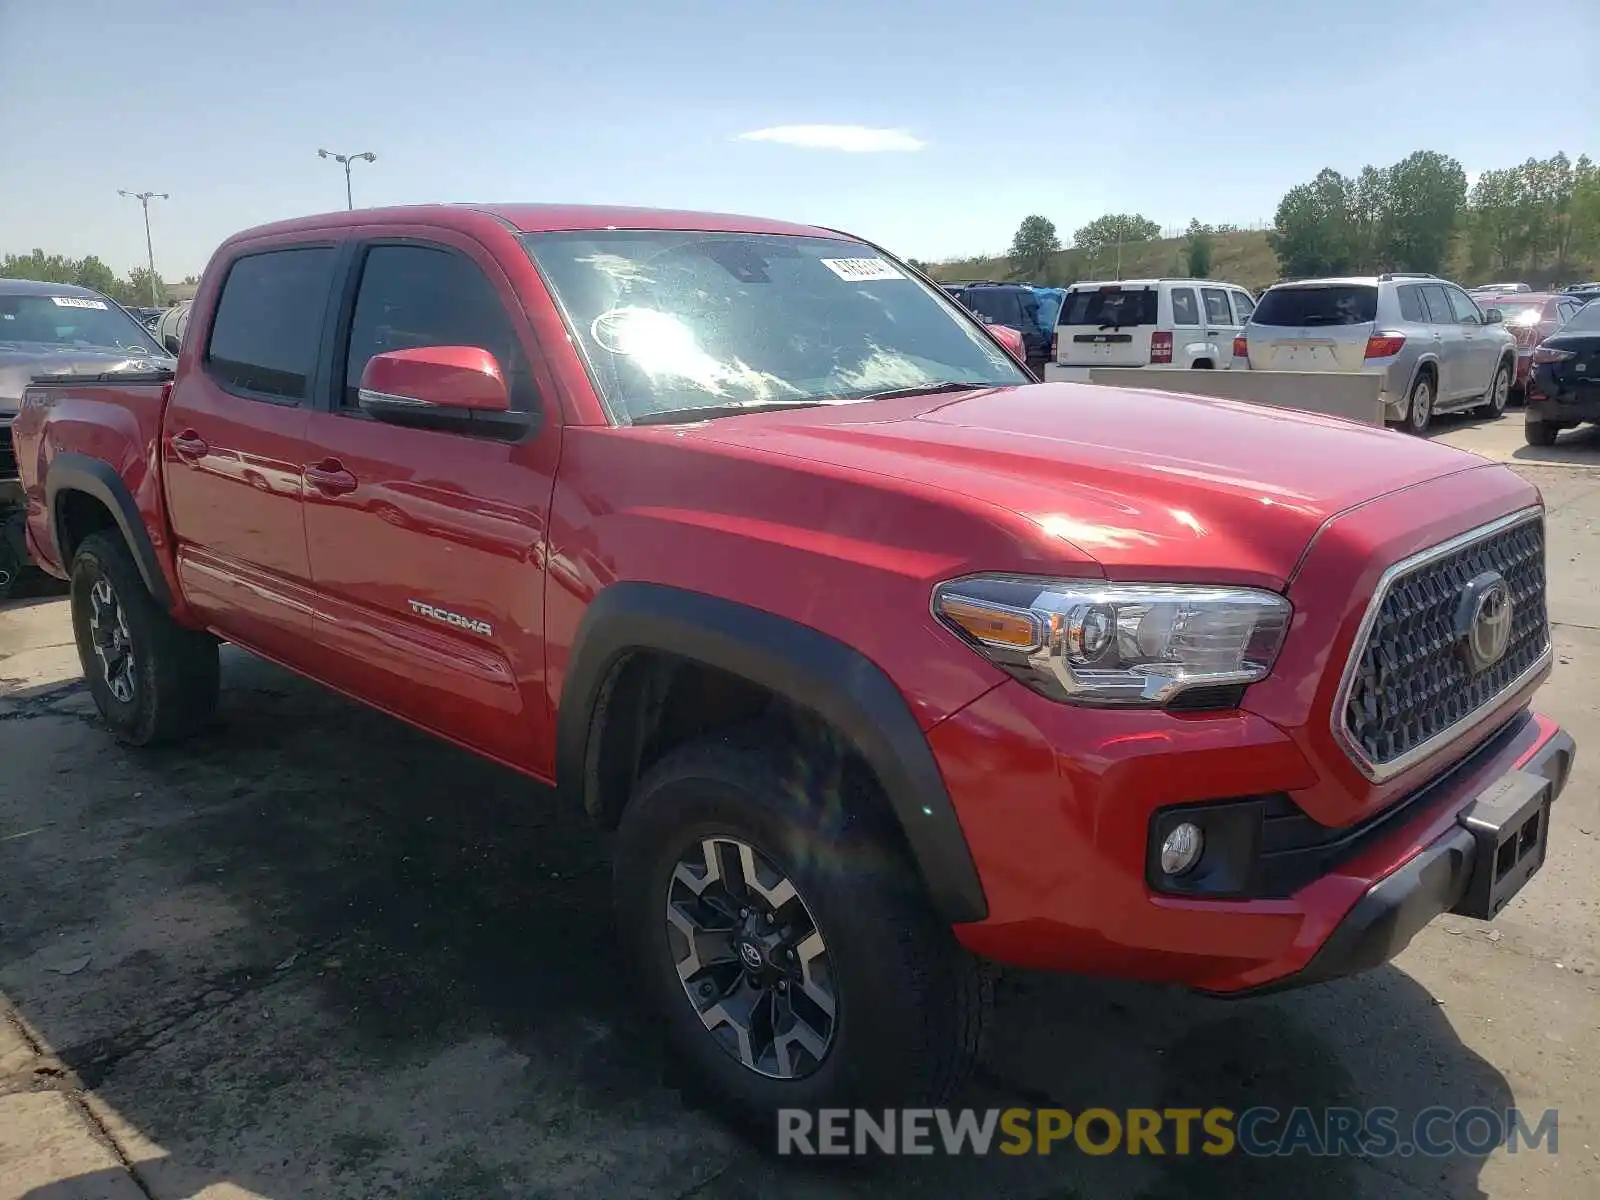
1395 908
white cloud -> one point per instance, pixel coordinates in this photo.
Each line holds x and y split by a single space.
853 139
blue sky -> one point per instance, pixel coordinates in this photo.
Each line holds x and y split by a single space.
984 113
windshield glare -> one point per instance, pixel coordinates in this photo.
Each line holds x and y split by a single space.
672 320
84 321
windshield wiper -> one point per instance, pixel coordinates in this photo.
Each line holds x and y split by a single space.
927 389
685 416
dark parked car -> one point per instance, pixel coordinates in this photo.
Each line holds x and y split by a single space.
1564 388
1012 304
1531 317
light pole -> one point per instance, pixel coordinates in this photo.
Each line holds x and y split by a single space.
144 199
348 161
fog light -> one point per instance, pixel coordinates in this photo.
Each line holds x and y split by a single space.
1181 848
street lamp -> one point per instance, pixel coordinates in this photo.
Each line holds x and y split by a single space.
348 161
144 199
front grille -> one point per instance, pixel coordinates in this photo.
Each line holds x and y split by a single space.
1409 685
8 452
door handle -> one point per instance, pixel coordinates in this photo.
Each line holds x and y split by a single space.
189 445
330 477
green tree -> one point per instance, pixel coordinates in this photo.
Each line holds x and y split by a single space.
1312 231
1425 193
48 268
1496 234
1116 229
136 291
1197 249
1369 197
1032 247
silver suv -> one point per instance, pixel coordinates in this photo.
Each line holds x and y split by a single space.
1435 348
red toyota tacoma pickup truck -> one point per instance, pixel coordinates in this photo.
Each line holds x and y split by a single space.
881 659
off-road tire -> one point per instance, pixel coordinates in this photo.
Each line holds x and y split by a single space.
911 1004
174 677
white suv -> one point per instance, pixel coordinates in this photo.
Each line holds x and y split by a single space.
1177 323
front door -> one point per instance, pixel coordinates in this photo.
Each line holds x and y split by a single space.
232 447
427 546
1482 346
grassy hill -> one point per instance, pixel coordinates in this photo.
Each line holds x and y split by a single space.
1243 258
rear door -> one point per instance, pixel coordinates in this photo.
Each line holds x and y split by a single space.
426 545
233 442
1107 325
1188 325
1313 327
1447 340
1220 326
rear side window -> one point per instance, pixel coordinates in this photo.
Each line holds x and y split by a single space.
413 296
269 320
1111 307
1411 305
1244 305
1217 312
1185 308
1327 304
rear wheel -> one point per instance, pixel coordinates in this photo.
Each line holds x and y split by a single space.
1541 433
1419 408
788 946
152 679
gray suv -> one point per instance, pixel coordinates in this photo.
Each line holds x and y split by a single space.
1436 350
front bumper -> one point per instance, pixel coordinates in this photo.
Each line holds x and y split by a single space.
1026 774
1467 871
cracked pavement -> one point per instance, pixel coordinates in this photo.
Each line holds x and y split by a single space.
317 953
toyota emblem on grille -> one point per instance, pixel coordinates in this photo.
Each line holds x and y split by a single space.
1483 621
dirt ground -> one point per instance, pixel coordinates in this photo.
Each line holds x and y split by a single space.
318 954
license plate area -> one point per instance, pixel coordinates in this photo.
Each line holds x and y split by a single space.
1510 824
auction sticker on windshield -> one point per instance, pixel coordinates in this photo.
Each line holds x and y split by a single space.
860 270
76 302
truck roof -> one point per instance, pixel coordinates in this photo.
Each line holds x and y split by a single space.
540 218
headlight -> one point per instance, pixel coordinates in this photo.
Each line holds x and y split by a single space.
1092 642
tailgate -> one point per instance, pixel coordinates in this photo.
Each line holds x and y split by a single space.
1309 349
1106 326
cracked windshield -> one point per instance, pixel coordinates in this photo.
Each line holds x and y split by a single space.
674 323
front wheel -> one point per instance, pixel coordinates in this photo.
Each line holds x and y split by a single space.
787 945
1499 392
152 679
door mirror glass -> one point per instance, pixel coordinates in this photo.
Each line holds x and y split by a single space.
1493 317
463 378
170 343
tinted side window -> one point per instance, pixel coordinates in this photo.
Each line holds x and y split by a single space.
1244 306
1411 308
1185 308
997 305
413 296
269 319
1466 311
1433 298
1217 312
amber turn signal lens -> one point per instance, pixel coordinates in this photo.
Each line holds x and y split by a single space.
996 626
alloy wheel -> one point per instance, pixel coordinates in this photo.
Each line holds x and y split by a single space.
1502 391
1421 406
113 645
751 958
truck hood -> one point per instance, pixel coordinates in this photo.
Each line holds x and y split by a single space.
21 361
1149 485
